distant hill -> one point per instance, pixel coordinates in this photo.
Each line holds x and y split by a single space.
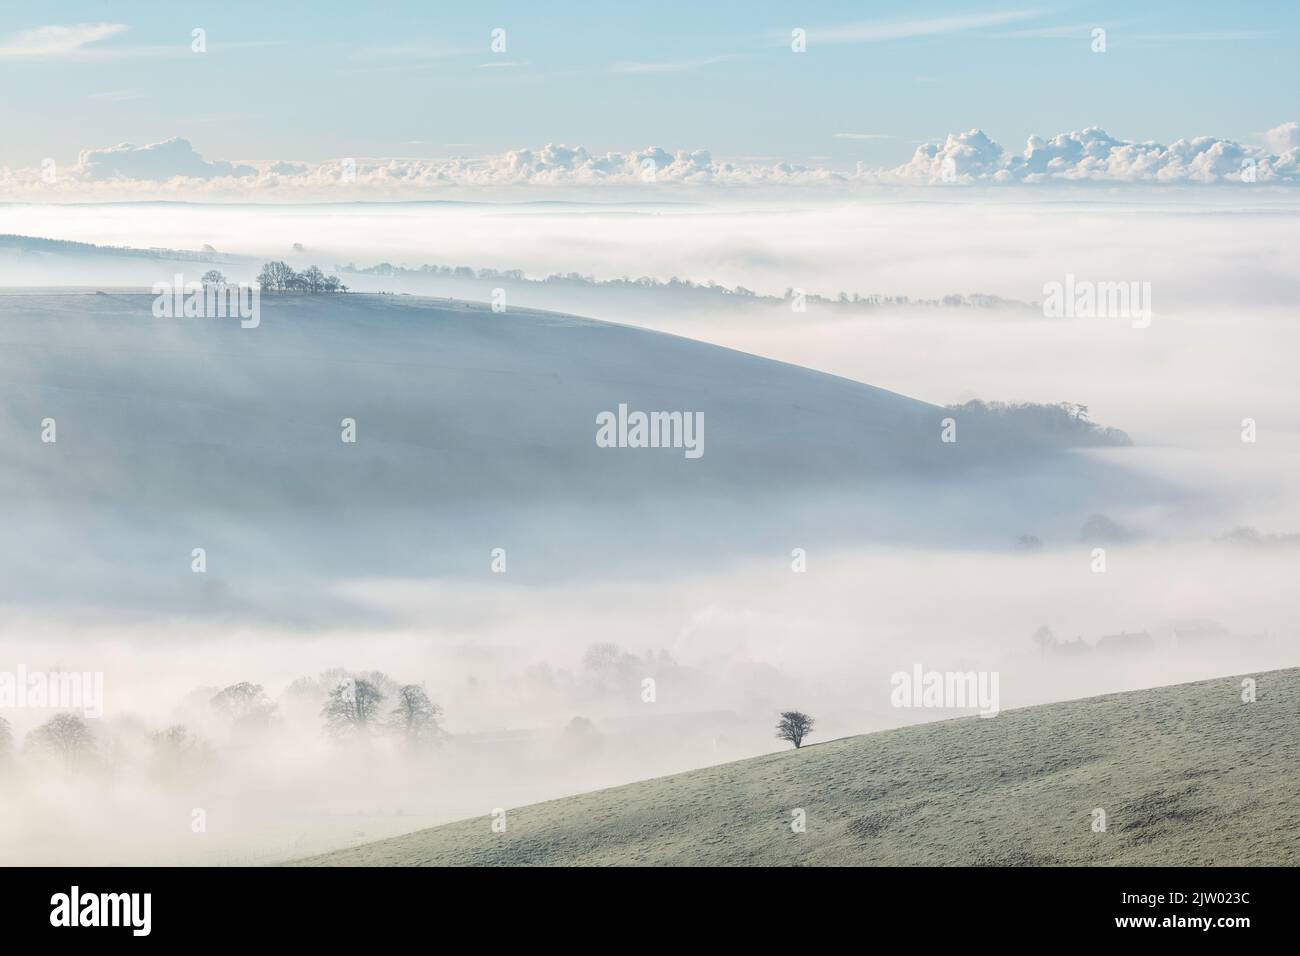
37 245
475 429
1186 775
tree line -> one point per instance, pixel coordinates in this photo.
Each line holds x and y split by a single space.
351 706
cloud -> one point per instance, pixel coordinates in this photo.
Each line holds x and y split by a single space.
56 42
676 66
1059 32
169 159
1207 36
1093 155
174 169
117 96
874 31
1283 138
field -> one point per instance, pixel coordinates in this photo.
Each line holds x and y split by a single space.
1188 774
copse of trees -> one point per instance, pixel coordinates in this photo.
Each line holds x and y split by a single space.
281 277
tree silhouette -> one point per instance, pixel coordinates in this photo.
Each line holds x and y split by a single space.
415 717
352 706
244 703
794 726
65 736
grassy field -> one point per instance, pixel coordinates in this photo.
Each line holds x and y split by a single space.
1188 774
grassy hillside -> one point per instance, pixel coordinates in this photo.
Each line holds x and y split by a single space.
1187 774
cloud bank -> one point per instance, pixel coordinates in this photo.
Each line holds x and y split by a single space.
1095 155
170 159
174 168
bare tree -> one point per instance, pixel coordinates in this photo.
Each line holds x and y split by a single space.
66 736
352 706
245 704
277 277
415 717
213 277
794 726
313 280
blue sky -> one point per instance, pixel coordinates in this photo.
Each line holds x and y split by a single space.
313 81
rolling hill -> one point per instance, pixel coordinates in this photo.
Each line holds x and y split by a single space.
473 429
1186 775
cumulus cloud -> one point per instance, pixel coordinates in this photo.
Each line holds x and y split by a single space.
1282 138
1093 155
155 162
173 168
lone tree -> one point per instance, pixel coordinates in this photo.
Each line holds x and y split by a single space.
213 277
415 717
352 706
794 727
65 736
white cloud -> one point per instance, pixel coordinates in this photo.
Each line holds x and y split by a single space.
1282 138
1059 32
117 96
1206 36
676 66
156 162
1094 155
56 42
873 31
174 169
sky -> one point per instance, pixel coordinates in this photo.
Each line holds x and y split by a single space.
299 81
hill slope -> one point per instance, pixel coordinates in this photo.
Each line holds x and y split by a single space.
473 429
1187 774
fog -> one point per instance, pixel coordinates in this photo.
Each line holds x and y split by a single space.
476 433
